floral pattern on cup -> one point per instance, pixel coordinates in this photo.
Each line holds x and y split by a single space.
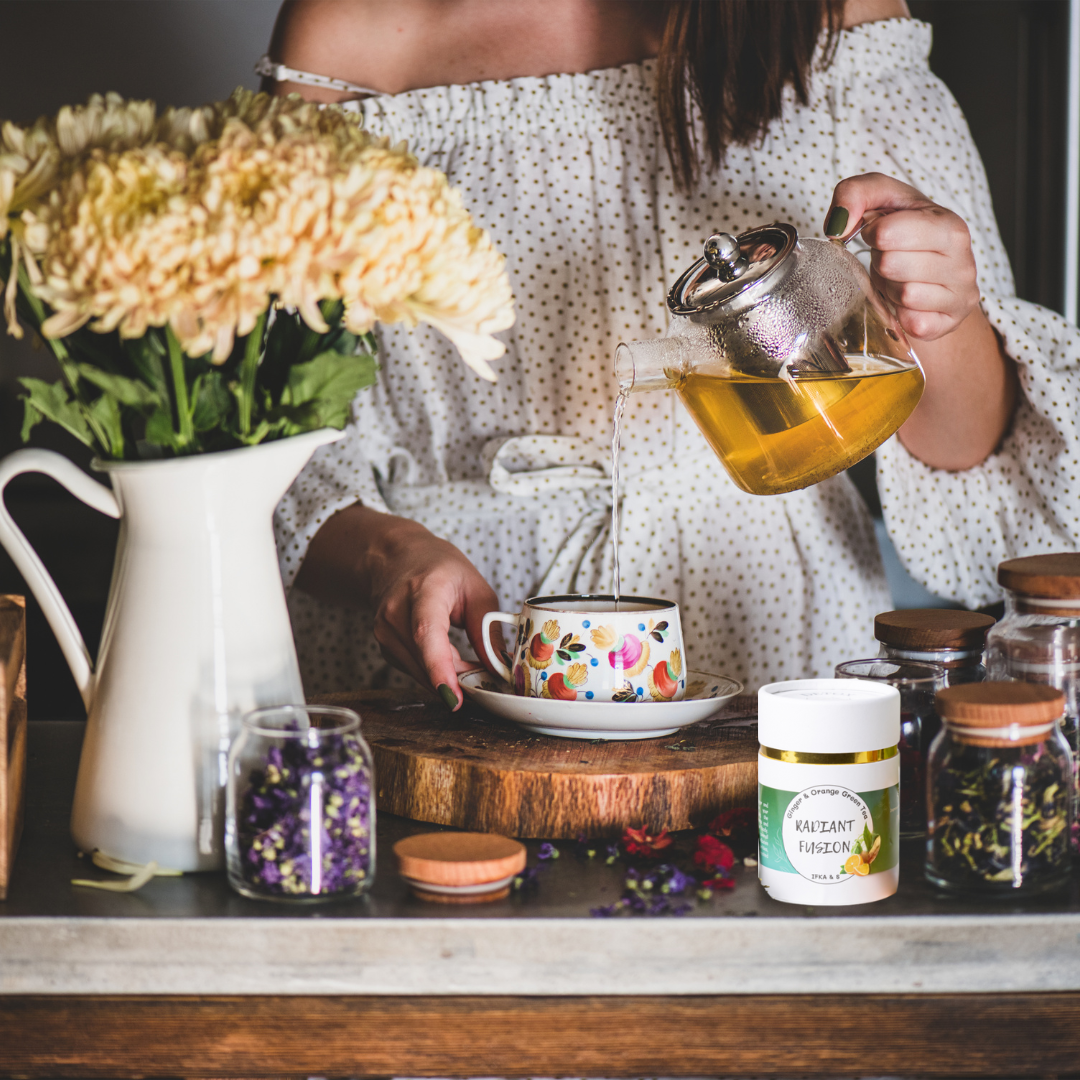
572 648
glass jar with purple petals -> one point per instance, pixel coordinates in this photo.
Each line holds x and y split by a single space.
300 814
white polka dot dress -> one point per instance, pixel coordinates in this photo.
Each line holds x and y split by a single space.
569 174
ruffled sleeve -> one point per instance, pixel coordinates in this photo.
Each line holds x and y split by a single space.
337 476
951 529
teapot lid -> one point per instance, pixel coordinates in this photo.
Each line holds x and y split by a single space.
729 266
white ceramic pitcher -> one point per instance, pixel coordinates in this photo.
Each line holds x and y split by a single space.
196 634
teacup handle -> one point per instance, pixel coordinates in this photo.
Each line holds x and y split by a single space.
485 631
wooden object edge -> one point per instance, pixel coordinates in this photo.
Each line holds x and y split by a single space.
12 731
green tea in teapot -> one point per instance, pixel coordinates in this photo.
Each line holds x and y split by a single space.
776 435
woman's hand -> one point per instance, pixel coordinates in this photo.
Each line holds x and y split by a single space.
921 259
418 585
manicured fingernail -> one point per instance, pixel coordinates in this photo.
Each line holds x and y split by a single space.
837 222
448 696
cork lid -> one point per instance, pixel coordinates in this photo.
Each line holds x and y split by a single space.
455 859
930 629
1055 577
996 713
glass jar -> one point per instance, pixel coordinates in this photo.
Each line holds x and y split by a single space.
945 636
828 798
300 815
1038 639
917 682
999 794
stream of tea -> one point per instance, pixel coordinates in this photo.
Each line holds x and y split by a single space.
616 440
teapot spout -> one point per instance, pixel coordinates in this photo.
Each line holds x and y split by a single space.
650 365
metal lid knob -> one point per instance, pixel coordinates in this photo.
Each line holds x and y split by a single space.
723 254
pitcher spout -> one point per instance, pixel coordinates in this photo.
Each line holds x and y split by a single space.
650 365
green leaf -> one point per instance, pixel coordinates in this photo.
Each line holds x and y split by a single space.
106 412
31 418
159 429
126 391
212 401
330 381
52 402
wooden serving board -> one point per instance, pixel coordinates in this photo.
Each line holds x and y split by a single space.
474 771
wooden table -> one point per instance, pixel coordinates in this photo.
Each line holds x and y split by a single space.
187 979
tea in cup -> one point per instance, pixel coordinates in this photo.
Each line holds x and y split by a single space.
588 648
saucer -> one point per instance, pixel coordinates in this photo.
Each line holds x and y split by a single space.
705 693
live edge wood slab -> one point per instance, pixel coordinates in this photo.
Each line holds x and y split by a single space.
473 771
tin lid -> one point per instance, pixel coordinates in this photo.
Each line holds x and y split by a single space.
465 858
1054 577
932 628
729 266
828 716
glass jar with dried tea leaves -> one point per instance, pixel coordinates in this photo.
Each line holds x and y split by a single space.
1000 801
1038 639
945 636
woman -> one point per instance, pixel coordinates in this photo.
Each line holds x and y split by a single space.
574 147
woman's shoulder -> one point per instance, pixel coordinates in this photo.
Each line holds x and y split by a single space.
858 12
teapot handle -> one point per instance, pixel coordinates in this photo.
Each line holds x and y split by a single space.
29 564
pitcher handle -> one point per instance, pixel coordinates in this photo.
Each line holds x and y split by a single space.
496 660
30 565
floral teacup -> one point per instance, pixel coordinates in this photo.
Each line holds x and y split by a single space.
583 648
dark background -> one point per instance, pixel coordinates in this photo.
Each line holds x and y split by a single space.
1005 60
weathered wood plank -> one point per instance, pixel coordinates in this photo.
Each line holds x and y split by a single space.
830 1035
474 771
12 731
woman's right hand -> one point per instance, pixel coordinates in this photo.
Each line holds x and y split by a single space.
418 585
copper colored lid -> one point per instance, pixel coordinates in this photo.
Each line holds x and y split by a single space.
1055 577
999 704
467 858
932 628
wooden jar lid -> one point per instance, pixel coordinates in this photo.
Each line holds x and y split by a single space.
928 629
1054 577
994 705
459 858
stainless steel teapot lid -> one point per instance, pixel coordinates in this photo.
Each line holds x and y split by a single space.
729 266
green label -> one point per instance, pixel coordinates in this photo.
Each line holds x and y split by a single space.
828 833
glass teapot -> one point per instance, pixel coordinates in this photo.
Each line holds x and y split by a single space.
786 356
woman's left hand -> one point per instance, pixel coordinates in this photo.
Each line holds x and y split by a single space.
921 256
921 259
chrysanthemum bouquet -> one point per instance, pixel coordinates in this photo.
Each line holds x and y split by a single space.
209 278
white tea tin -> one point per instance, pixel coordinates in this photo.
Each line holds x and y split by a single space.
828 791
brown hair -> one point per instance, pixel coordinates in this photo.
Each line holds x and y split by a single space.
731 60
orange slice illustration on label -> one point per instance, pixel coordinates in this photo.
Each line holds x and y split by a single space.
853 864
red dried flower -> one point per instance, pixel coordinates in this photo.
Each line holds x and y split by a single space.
639 842
711 854
719 883
738 827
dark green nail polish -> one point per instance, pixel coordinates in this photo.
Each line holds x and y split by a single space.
837 222
448 696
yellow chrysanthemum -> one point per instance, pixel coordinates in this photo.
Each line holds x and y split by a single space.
199 218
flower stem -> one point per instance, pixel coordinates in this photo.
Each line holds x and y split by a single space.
185 430
249 368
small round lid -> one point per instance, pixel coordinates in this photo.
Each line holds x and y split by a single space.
828 716
729 266
464 858
1000 704
932 628
1055 577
